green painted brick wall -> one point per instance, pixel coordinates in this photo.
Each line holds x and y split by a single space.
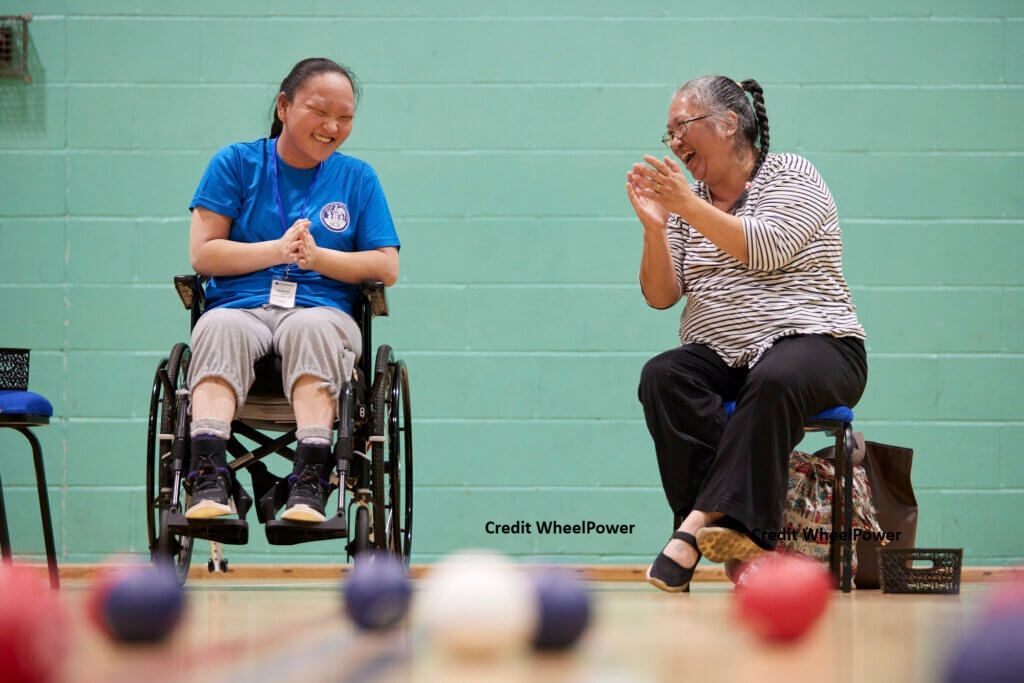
502 133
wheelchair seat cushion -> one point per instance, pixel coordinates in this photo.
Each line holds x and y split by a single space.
24 403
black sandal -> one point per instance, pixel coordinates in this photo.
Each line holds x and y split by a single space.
668 575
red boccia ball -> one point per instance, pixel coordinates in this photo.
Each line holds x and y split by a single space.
734 570
782 596
34 628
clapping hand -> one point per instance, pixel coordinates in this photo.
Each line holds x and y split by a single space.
651 214
291 242
661 182
308 252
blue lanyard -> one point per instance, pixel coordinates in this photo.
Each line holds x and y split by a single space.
277 188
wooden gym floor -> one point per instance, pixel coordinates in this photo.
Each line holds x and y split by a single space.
292 629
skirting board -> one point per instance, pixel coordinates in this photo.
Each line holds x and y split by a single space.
329 572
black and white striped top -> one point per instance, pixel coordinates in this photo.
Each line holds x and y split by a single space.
794 283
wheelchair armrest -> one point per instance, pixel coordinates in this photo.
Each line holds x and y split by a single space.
375 294
190 290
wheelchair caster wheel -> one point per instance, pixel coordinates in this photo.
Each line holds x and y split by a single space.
212 566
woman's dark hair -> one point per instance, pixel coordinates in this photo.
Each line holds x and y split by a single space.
297 77
719 94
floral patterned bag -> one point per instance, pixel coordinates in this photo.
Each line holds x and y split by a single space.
808 518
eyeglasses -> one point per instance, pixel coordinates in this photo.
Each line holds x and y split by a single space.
680 133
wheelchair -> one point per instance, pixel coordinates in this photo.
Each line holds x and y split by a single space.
373 453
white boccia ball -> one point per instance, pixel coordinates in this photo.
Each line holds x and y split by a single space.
476 603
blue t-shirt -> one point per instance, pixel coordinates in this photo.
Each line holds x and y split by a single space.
346 208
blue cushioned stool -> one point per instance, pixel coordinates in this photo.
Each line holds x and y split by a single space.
20 410
838 422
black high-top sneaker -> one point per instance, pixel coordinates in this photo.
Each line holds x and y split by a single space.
308 484
211 480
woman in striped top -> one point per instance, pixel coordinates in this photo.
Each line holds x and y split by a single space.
755 247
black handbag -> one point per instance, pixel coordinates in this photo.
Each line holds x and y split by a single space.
888 470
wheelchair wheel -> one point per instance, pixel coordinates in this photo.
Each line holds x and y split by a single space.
391 479
170 376
360 531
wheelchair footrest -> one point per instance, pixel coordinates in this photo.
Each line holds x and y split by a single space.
284 532
227 531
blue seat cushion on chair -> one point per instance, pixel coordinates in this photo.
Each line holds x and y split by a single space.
24 403
836 413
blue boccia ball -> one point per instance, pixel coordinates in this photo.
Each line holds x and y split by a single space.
377 594
992 651
563 609
143 605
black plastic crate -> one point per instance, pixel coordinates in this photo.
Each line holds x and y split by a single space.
14 369
900 576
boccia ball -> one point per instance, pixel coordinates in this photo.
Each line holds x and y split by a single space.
96 602
1007 598
734 570
378 592
34 628
476 604
780 597
138 604
992 651
100 586
563 609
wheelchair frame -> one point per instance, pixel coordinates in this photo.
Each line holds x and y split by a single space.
371 418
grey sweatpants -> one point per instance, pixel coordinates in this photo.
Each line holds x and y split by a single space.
321 342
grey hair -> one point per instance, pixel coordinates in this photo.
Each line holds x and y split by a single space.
717 95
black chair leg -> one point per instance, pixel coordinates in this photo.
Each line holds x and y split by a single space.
835 560
5 538
848 507
841 545
44 506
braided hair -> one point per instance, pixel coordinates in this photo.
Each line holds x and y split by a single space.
718 95
761 118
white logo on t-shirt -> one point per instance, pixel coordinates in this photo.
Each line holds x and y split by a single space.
334 216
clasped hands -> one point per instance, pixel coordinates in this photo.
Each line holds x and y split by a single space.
656 189
298 246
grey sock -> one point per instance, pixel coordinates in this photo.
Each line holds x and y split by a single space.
210 427
314 436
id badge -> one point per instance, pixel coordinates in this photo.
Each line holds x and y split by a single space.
282 293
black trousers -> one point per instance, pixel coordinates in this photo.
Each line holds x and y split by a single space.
740 467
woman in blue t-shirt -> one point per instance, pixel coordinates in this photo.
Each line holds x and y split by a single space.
285 228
